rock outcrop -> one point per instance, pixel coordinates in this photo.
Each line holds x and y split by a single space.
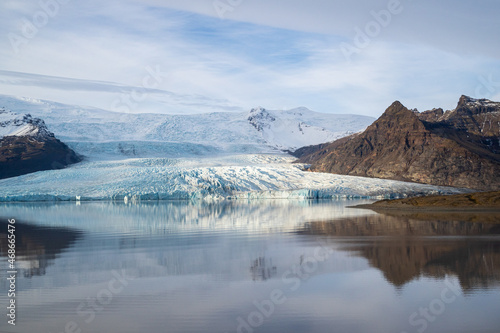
458 148
26 145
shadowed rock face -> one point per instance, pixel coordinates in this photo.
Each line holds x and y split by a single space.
34 149
476 116
22 155
457 148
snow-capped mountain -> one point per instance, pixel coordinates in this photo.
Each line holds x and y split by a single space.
26 145
292 129
14 124
101 134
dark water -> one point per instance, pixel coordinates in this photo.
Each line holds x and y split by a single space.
268 266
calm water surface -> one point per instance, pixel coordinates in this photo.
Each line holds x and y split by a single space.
267 266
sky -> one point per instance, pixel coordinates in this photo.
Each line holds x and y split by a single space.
193 56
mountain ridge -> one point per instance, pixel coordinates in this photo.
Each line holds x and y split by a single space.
454 150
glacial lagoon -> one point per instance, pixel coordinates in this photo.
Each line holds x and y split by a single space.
247 266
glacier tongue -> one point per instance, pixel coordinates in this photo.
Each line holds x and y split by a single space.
251 176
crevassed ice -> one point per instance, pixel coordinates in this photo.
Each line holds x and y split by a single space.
253 176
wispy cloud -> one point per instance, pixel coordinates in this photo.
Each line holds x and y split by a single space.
263 53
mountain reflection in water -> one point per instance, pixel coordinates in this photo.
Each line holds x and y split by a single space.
37 247
405 248
194 267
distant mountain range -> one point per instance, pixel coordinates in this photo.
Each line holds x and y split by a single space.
101 134
26 145
460 147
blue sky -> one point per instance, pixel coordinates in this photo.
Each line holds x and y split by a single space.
231 55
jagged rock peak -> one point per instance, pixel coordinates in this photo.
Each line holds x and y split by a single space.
397 108
469 101
433 115
397 114
464 100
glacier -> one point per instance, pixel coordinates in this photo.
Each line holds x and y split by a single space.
101 134
230 177
210 157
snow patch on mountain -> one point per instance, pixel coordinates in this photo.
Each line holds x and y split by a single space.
292 129
480 102
14 124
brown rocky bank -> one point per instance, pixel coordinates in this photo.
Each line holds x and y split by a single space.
481 201
457 148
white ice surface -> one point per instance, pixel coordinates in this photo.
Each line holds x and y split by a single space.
100 134
231 177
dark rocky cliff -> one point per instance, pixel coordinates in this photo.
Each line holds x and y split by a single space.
454 148
32 148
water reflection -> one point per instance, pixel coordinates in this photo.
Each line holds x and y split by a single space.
405 249
36 247
262 269
199 268
444 216
180 216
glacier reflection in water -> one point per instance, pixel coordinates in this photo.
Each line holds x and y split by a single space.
258 266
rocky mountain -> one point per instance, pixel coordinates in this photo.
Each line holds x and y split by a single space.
26 145
458 148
